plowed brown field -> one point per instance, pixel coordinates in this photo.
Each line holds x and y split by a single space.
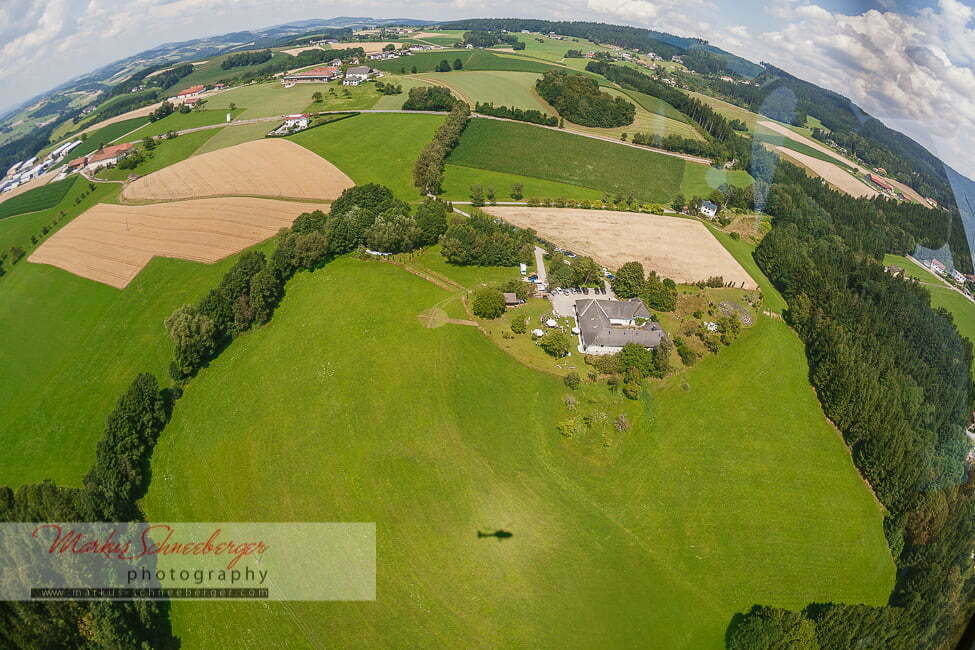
676 248
111 243
270 167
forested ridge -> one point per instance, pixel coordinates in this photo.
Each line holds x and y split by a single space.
893 374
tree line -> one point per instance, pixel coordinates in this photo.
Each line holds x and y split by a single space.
428 169
578 99
429 98
893 374
514 113
245 58
634 38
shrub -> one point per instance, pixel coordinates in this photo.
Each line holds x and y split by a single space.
488 303
555 343
572 380
519 325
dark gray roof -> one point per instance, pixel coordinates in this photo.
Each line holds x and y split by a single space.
709 205
594 318
359 69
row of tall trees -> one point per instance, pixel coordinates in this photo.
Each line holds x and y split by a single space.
578 99
893 374
429 167
514 113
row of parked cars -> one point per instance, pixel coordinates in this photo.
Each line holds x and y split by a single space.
576 290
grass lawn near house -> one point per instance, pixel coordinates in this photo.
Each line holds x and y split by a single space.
467 276
375 147
166 153
553 155
729 489
177 121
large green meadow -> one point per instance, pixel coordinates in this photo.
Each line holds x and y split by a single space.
375 147
181 121
548 154
730 489
39 198
515 89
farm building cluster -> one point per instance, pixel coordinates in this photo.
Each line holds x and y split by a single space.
27 170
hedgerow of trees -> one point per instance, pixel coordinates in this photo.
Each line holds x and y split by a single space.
429 98
429 166
514 113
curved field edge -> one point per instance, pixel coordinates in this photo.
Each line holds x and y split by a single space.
737 492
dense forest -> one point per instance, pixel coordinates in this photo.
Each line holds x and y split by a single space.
893 374
245 58
578 99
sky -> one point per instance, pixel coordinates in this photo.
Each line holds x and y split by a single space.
910 63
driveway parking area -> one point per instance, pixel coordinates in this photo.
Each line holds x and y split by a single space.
564 305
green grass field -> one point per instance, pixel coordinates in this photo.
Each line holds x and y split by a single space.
657 106
737 492
503 88
701 180
472 60
548 154
39 198
395 102
70 348
181 121
270 99
644 121
459 179
234 135
375 148
211 72
789 143
166 153
106 135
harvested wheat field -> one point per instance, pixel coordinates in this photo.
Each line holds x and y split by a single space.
111 243
835 176
681 249
270 167
809 142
